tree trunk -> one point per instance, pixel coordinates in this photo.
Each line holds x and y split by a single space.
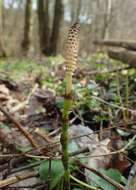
2 51
43 18
78 10
58 15
107 18
26 39
126 56
97 29
123 44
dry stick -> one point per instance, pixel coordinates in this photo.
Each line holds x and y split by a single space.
26 167
122 150
39 186
18 125
57 142
43 135
106 178
17 178
32 165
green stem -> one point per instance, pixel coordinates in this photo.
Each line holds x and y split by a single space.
83 183
64 135
127 95
121 103
68 84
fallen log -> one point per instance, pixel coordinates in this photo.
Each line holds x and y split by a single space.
126 56
123 44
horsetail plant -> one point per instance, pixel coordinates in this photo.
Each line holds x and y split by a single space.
71 54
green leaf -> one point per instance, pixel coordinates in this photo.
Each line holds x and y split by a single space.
57 171
123 180
60 103
99 182
123 133
7 128
24 148
133 126
113 174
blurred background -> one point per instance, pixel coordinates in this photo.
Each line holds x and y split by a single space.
33 27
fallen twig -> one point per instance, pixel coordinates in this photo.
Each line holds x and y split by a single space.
18 125
43 135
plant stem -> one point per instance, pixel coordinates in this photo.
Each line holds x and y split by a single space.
70 62
83 183
121 103
68 85
127 96
64 142
64 135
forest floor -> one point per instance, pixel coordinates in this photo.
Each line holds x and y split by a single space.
102 136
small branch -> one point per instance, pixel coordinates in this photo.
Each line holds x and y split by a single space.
122 150
26 167
38 163
84 150
39 186
20 128
43 135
